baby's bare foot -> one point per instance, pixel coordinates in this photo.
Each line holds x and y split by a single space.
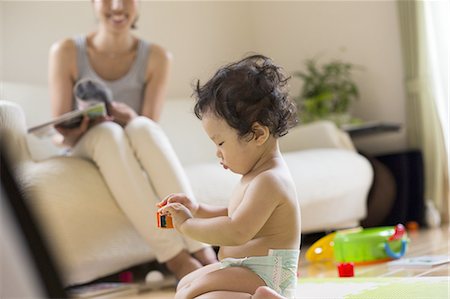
266 293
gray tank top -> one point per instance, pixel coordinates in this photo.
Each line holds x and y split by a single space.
128 89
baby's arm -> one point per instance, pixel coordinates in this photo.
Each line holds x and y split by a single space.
261 198
196 209
210 211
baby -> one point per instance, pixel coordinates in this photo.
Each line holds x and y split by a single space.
244 108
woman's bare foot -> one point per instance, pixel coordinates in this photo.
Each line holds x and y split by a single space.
182 264
266 293
206 256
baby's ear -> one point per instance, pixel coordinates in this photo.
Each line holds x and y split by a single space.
260 133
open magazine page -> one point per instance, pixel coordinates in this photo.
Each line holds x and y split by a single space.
93 98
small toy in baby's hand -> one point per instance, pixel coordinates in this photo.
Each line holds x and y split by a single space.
164 221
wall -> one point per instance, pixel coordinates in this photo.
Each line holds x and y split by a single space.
365 33
1 43
203 35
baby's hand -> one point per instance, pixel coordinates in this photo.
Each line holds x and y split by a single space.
178 212
182 199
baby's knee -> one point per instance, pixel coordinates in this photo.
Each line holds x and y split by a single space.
183 291
182 283
189 290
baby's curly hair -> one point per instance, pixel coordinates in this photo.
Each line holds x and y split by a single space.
250 90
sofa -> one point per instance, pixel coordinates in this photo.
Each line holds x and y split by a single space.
90 236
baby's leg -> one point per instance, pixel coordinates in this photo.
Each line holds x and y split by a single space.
266 293
261 293
225 295
197 274
231 279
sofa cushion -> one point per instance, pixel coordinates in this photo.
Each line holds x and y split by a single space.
212 184
330 185
88 232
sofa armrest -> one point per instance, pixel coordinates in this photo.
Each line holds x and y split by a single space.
13 132
319 134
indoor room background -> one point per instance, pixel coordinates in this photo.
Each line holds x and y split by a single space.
203 35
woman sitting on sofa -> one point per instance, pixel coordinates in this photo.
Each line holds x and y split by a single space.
132 153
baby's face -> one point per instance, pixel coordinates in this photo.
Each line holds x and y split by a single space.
234 153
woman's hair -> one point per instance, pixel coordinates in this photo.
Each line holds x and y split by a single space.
134 25
250 90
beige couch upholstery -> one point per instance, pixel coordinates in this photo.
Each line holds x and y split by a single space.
88 232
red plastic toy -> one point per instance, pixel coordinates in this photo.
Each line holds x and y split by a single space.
346 269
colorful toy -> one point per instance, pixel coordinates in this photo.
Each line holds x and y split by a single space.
346 269
322 250
164 221
361 246
126 276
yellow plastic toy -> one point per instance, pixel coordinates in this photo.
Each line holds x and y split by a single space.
322 250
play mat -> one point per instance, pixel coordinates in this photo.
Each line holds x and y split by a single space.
374 288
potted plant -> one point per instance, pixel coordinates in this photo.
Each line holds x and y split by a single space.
328 91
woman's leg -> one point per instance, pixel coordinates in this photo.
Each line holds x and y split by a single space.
182 264
107 145
205 256
158 158
232 280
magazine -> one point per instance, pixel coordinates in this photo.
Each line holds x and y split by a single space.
425 261
92 97
71 119
103 290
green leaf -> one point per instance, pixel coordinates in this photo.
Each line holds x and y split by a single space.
327 89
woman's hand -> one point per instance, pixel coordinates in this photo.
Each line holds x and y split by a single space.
72 135
180 198
122 113
178 212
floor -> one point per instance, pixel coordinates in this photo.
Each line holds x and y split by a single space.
422 242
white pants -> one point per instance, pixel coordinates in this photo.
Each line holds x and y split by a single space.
140 168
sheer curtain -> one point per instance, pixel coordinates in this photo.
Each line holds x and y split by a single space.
424 29
436 22
437 31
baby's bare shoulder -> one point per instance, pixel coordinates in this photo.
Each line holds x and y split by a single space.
275 182
278 175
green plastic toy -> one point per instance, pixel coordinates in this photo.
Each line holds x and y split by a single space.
361 246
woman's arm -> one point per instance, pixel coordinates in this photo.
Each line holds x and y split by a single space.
61 76
62 73
158 71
